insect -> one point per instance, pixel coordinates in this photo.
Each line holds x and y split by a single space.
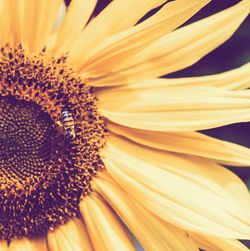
68 124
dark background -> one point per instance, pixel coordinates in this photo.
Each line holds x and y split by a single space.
232 54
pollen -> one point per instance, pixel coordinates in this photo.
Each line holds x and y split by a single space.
43 176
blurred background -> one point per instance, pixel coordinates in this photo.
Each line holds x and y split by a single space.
232 54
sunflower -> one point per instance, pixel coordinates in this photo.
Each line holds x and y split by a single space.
97 150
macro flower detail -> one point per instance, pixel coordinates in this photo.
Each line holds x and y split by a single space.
96 147
35 149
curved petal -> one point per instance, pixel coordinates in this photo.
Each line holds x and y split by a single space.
105 230
125 44
236 79
192 193
28 245
71 236
175 109
77 16
153 234
38 21
178 49
193 143
217 244
112 19
208 174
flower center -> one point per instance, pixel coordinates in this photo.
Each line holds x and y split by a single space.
26 136
50 138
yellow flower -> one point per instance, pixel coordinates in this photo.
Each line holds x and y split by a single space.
93 140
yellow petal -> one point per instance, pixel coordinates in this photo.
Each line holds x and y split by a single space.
16 9
105 229
70 237
214 177
124 44
152 233
61 16
28 245
236 79
58 23
193 143
77 16
191 193
175 109
6 34
112 19
38 21
3 246
210 243
178 49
